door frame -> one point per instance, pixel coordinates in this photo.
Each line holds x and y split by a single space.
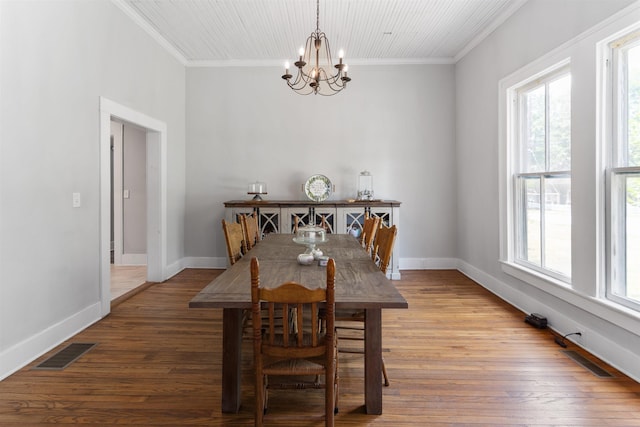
156 194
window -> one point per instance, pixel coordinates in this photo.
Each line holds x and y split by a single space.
542 175
623 183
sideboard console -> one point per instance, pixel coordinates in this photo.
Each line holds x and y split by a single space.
338 216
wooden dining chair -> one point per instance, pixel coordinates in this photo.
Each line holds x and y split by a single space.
234 238
302 354
369 230
251 230
383 246
352 321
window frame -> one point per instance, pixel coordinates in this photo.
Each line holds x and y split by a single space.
517 230
617 167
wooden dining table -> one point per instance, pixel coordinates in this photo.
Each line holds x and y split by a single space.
359 284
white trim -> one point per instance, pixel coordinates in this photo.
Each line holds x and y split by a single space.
155 35
352 61
562 321
134 259
508 88
174 268
157 270
513 7
205 262
118 220
428 263
26 351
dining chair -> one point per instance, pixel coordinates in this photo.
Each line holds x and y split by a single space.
369 229
353 320
234 238
383 246
302 354
296 222
250 229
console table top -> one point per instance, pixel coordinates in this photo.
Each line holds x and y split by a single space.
292 203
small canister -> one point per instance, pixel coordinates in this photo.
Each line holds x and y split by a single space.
323 260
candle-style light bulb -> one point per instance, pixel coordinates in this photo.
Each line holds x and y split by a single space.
301 52
286 67
340 55
346 68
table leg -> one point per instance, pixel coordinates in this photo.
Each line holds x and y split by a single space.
231 359
373 361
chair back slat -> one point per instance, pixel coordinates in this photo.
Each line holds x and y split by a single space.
251 230
234 239
369 230
383 247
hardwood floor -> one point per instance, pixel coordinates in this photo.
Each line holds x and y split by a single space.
125 278
459 356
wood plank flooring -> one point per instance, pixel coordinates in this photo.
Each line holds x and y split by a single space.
125 278
459 356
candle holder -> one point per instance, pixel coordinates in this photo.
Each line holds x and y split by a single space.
257 188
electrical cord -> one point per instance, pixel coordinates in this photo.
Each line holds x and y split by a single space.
560 341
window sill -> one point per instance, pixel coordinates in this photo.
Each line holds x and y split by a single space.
534 278
613 312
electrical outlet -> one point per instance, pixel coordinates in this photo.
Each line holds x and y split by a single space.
76 200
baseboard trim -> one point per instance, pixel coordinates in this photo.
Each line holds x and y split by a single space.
26 351
594 341
428 263
205 262
134 259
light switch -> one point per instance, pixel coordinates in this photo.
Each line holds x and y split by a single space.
125 194
76 200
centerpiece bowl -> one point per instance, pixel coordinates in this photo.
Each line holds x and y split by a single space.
310 236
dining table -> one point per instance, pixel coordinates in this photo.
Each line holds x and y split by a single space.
359 284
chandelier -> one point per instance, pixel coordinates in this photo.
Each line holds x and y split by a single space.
315 67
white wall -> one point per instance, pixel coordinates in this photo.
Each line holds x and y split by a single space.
245 124
57 59
538 28
134 180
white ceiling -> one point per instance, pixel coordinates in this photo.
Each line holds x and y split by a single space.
236 32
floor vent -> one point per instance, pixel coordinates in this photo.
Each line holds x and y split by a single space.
587 364
65 357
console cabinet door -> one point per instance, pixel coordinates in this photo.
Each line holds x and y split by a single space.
289 216
351 220
326 216
384 213
269 220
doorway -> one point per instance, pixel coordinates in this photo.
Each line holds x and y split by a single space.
156 207
128 207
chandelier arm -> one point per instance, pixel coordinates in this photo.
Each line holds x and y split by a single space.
313 76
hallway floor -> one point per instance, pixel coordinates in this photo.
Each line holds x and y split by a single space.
125 278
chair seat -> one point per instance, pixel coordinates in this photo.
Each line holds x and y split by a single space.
294 367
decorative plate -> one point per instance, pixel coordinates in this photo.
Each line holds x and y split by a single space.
318 188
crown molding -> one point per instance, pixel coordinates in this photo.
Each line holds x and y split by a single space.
356 61
155 35
517 4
